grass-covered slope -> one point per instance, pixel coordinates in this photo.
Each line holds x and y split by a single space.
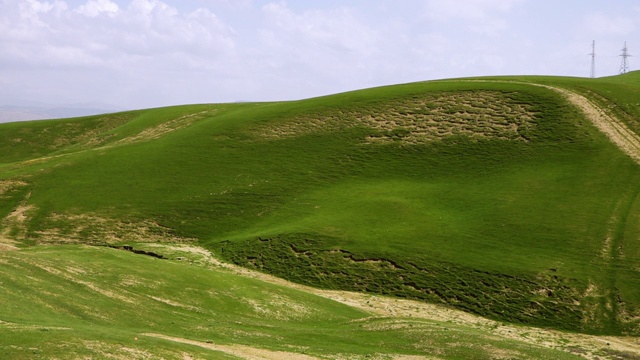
79 302
494 196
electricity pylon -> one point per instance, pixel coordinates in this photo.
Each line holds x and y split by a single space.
593 59
624 66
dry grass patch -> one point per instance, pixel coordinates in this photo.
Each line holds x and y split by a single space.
13 227
383 357
279 307
9 185
118 352
240 351
13 326
176 304
95 229
166 127
427 118
72 277
78 133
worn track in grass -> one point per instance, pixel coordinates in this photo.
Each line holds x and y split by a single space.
607 123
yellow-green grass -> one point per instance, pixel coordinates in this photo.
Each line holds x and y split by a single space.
77 302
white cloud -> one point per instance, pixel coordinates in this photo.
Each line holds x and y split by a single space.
31 10
491 27
468 9
314 50
142 41
153 52
70 56
604 24
95 8
31 7
337 29
484 17
147 28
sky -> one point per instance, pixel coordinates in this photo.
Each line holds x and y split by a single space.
133 54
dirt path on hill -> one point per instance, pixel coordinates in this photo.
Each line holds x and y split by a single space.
615 129
241 351
609 124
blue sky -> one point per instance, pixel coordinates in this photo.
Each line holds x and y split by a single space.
147 53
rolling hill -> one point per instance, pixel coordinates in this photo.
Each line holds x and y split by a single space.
511 198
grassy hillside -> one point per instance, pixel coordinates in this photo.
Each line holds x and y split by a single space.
59 303
495 196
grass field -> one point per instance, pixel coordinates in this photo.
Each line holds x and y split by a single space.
60 303
494 196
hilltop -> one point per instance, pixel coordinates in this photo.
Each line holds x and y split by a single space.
511 198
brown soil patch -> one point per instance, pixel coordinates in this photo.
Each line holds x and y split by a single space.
14 326
19 215
92 228
382 357
7 247
176 304
241 351
8 185
166 127
117 352
421 119
13 227
274 306
186 248
76 132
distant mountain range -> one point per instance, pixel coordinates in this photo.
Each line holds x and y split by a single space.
11 113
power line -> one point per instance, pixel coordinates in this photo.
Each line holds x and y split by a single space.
624 66
593 59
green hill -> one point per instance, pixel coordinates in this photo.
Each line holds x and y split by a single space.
496 196
60 303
